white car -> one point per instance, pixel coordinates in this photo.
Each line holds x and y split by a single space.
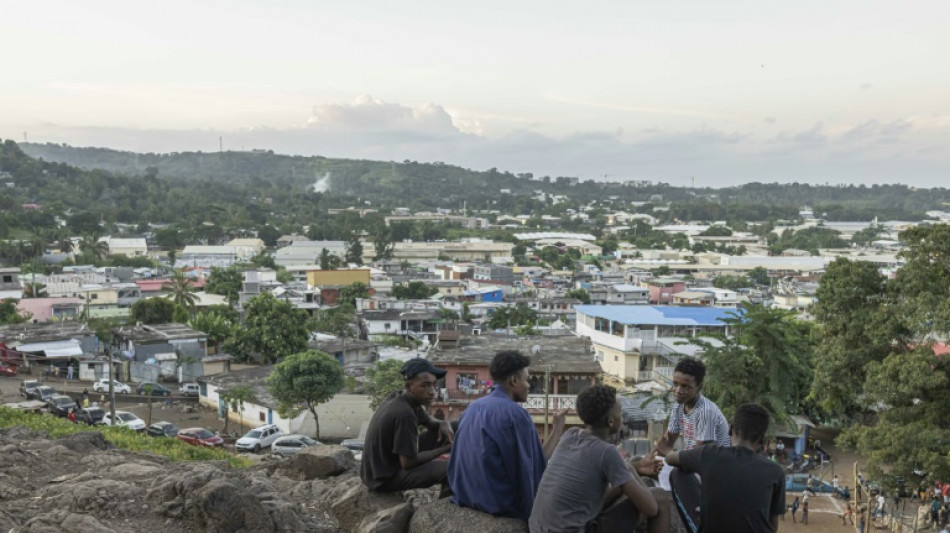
124 419
258 438
103 386
189 389
291 444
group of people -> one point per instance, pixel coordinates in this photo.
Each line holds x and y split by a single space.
577 480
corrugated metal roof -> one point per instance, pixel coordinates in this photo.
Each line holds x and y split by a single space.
659 315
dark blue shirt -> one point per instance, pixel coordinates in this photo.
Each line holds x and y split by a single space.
497 461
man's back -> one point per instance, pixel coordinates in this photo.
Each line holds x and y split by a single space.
741 489
497 461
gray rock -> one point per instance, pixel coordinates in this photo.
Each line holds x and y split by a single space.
221 507
86 442
443 515
351 502
317 462
391 520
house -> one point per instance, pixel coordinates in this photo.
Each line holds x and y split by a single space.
356 355
287 240
663 289
162 350
340 418
415 323
620 293
499 274
56 343
50 309
343 277
638 343
566 363
10 286
211 256
550 308
308 252
129 247
247 248
256 282
721 297
484 294
693 298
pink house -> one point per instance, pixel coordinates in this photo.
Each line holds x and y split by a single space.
48 309
663 289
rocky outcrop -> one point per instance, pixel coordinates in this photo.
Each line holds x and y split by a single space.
443 515
82 483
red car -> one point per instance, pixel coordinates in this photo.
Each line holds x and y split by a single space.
7 370
200 437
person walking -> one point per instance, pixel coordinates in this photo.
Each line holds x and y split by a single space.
794 508
805 512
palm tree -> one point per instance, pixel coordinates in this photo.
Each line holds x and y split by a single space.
90 244
182 293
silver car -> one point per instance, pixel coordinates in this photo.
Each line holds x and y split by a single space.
291 444
258 438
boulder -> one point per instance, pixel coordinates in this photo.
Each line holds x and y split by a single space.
221 507
391 520
351 503
317 462
443 515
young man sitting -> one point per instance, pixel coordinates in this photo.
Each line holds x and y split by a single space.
395 456
586 475
742 491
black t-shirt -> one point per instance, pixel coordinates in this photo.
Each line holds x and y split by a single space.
393 431
741 490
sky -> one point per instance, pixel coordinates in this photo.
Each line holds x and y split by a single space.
685 92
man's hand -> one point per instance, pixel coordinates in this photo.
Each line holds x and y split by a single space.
446 435
558 421
663 446
648 465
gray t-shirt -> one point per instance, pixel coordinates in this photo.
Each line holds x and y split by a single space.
572 489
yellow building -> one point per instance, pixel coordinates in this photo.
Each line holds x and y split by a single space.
320 278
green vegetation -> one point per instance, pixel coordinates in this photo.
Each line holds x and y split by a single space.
384 380
518 315
304 381
9 313
415 290
120 437
272 329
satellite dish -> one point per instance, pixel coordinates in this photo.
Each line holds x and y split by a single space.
536 349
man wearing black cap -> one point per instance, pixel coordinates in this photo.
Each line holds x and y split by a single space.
395 456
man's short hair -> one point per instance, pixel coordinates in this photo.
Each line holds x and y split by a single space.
507 363
751 422
692 367
594 404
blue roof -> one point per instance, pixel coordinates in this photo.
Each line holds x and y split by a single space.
659 315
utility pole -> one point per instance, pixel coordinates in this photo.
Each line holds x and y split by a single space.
111 386
547 405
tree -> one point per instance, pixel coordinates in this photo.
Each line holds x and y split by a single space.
234 399
92 247
717 231
272 329
383 243
384 380
766 359
226 282
303 381
354 249
856 326
9 314
264 260
328 261
415 290
350 293
518 315
340 321
216 326
182 293
153 311
578 294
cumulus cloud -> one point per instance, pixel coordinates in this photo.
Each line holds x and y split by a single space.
865 152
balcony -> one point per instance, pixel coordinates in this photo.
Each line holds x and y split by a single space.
556 402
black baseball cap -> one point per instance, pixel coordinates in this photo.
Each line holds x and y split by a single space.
414 367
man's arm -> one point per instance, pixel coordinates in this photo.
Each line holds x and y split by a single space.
557 430
687 460
664 445
407 463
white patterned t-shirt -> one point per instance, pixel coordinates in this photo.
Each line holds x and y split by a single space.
705 423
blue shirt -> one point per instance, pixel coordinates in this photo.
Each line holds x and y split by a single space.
497 461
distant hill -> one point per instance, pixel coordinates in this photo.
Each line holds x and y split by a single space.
430 185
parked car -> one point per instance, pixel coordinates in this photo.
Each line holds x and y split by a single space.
27 386
60 405
200 437
189 389
41 393
124 419
152 389
162 429
92 416
291 444
7 370
258 438
355 446
799 482
103 386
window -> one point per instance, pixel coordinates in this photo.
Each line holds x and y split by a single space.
8 279
616 358
261 416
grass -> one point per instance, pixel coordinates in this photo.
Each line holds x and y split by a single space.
120 437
